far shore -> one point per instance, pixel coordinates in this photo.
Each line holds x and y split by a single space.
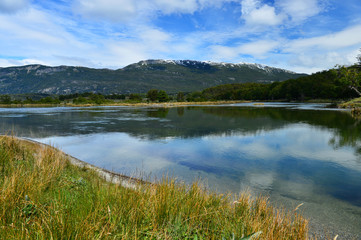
354 105
159 104
128 104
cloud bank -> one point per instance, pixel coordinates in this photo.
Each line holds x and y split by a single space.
12 6
299 35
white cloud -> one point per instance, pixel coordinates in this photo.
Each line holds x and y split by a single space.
57 42
299 10
257 14
12 6
22 62
323 52
256 49
345 38
130 10
155 37
145 43
265 15
122 53
186 6
39 37
126 33
177 6
249 5
113 10
310 62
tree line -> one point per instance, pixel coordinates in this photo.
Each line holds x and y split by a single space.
321 85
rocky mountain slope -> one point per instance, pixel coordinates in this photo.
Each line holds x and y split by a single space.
170 75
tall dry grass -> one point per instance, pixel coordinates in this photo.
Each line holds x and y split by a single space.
42 196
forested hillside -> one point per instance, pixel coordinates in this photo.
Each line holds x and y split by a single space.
321 85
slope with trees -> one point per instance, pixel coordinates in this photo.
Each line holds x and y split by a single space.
321 85
171 76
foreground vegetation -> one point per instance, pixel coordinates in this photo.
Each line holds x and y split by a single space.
43 196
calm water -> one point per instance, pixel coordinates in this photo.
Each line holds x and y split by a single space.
294 153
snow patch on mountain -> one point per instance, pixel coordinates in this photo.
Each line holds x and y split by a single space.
193 63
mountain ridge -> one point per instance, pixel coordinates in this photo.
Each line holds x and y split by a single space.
169 75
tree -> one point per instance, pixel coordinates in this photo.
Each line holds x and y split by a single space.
180 97
136 97
5 99
162 96
29 100
49 100
97 98
152 95
351 77
79 100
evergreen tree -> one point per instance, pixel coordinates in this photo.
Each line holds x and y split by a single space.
135 97
152 95
180 97
162 96
5 99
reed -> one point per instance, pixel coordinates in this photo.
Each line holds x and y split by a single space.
43 196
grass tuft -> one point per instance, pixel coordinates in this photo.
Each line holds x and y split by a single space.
43 196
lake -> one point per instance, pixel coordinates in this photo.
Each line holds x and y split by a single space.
293 153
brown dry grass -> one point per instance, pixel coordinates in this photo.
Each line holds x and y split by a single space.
42 196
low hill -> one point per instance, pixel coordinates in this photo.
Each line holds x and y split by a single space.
169 75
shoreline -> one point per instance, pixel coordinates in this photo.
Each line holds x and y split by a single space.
317 230
84 191
121 179
109 176
141 104
165 104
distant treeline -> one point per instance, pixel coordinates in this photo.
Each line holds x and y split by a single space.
321 85
77 98
153 95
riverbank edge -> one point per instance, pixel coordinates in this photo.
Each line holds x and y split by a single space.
133 183
141 104
109 176
166 104
354 105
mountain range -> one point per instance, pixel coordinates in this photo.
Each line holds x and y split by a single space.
169 75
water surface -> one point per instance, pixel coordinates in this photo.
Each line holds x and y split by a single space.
294 153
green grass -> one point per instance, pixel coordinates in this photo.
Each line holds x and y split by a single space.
43 196
354 103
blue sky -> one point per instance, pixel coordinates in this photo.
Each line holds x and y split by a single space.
298 35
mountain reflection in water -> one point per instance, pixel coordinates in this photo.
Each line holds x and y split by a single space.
294 153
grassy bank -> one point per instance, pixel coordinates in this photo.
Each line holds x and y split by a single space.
130 104
354 105
155 104
43 196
